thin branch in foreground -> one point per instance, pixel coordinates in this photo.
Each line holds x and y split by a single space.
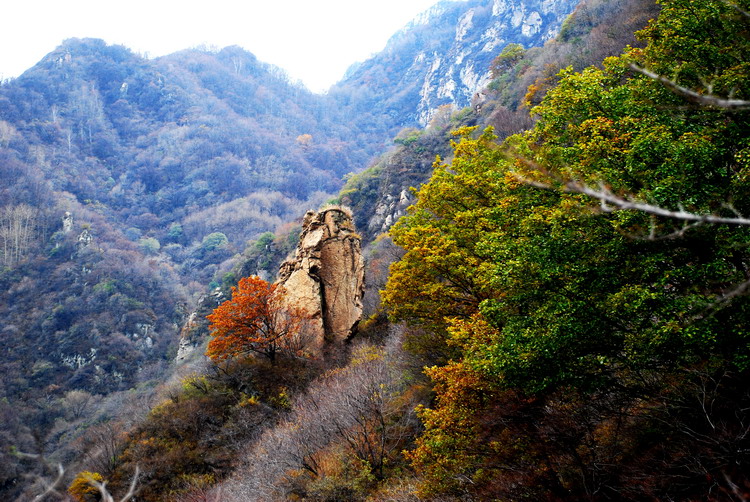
654 236
740 289
738 8
702 99
609 202
52 489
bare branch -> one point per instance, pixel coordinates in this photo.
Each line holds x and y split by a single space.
702 99
723 300
133 483
653 236
52 489
107 497
737 8
610 202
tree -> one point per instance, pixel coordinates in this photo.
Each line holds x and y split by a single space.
439 276
18 231
256 319
7 133
214 240
149 245
304 141
565 310
507 59
82 489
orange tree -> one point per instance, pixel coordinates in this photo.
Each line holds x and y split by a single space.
256 319
82 489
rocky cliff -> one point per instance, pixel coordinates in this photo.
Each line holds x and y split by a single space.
443 56
326 275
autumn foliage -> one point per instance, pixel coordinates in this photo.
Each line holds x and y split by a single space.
82 489
592 353
256 319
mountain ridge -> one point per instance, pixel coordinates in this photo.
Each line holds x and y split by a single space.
447 65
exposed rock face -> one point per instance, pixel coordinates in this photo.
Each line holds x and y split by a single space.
67 221
187 345
195 328
85 238
443 56
388 210
326 277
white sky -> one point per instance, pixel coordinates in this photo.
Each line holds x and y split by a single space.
313 40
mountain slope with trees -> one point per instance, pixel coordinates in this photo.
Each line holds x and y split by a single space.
567 316
593 353
128 186
596 29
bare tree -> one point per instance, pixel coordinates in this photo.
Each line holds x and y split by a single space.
102 446
76 403
358 407
17 232
7 133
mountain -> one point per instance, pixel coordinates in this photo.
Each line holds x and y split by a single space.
131 186
158 142
519 78
443 57
127 186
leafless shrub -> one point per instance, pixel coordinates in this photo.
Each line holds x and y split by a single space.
362 407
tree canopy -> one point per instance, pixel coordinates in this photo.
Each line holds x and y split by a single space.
563 312
256 319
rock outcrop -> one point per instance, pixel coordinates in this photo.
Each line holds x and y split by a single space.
443 56
326 275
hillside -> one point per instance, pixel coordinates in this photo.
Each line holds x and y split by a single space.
555 264
519 78
159 142
443 58
128 186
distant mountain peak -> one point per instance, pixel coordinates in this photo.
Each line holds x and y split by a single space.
443 56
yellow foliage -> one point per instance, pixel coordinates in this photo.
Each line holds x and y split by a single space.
82 489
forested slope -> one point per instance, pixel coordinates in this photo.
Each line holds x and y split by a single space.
592 314
128 185
565 318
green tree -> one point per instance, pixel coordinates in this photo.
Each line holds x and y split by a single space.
547 296
511 55
149 245
175 232
214 241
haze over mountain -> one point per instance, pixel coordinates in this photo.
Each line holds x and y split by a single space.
293 34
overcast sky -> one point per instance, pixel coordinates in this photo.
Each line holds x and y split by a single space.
314 40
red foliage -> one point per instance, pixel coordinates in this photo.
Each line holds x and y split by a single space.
256 319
